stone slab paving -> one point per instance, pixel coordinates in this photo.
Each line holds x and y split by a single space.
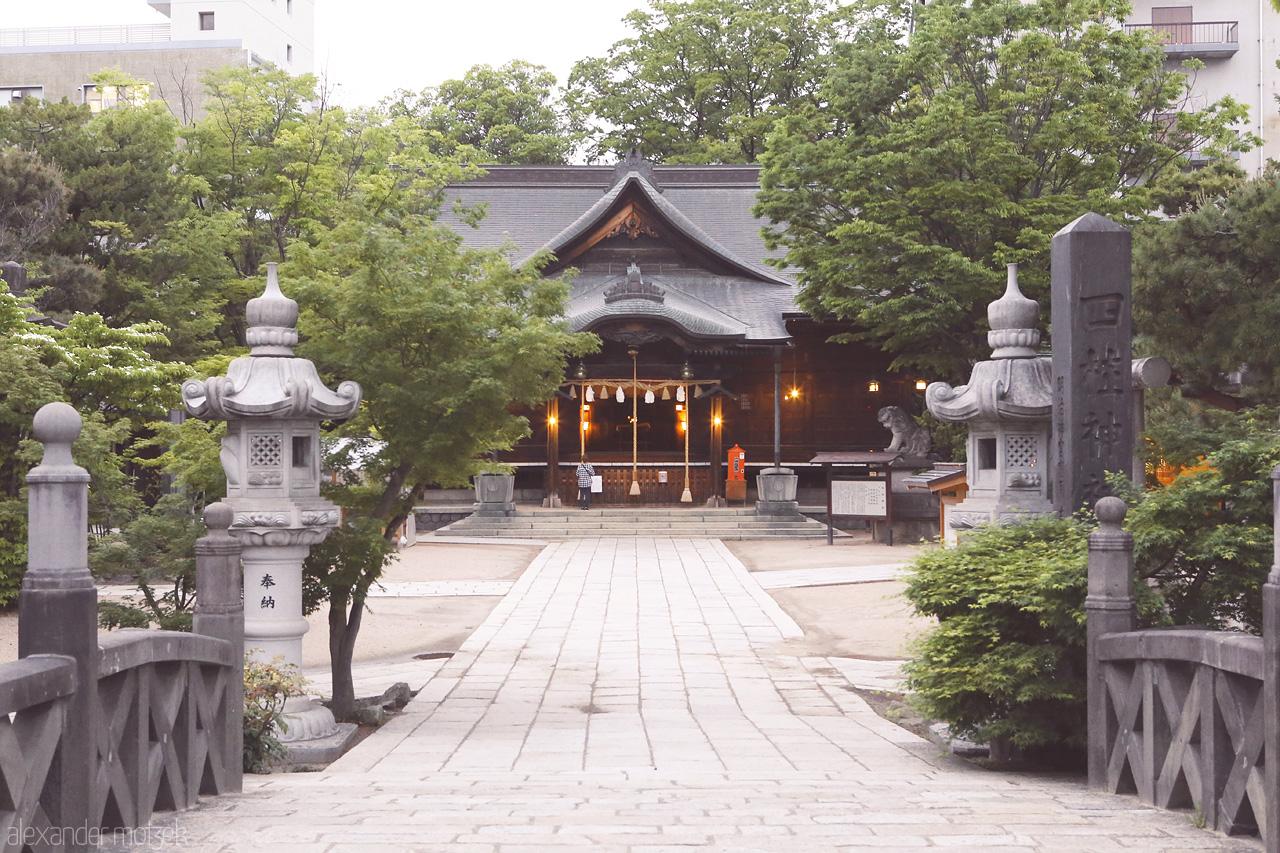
621 698
372 680
792 578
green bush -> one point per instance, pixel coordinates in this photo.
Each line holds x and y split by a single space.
267 686
1006 662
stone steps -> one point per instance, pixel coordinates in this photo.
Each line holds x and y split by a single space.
637 522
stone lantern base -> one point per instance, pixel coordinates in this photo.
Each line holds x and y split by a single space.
776 492
494 494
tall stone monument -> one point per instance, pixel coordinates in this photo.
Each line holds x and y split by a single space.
1007 404
273 403
1093 389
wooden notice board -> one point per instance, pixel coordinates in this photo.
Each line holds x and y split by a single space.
869 498
865 497
861 495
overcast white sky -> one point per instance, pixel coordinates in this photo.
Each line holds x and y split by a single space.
372 47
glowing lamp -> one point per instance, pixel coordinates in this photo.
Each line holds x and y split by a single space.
873 386
921 384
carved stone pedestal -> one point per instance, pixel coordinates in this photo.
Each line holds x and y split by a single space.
776 492
494 494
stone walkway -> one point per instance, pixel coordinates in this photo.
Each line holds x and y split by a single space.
622 698
792 578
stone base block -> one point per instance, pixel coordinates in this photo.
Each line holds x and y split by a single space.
496 510
305 719
777 508
911 531
321 750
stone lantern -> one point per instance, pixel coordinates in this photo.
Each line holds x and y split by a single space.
1008 405
273 403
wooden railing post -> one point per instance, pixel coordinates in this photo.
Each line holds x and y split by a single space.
1109 609
220 613
58 613
1271 680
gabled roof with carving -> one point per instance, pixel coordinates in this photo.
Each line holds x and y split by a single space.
692 231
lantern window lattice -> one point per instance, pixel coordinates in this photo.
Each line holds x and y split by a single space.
1020 451
265 451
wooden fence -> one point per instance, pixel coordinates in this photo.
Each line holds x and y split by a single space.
99 732
1181 717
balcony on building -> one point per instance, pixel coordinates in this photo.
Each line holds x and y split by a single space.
1199 40
55 39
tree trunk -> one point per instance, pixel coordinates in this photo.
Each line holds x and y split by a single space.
342 636
395 482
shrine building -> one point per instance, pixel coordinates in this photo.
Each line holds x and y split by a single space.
696 328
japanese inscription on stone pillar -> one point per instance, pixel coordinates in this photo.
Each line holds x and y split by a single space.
1093 428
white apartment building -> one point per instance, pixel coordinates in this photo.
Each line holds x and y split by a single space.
1239 42
55 62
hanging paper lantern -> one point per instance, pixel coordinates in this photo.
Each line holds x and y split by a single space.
622 398
590 395
648 396
666 393
680 394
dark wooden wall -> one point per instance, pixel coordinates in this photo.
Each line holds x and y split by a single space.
833 411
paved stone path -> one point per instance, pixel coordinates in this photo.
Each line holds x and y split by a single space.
792 578
622 697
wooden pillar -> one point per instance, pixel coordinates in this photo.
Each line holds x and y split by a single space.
553 453
717 449
777 407
1109 609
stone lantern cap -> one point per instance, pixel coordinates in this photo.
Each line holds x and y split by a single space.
1014 384
271 382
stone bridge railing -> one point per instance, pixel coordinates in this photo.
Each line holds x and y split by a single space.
98 733
1182 717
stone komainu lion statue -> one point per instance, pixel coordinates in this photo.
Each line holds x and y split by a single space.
908 436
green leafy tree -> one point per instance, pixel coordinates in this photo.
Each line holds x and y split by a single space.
1205 540
108 376
936 159
242 153
447 342
509 114
341 570
155 551
153 545
703 81
28 385
127 206
1206 293
32 201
